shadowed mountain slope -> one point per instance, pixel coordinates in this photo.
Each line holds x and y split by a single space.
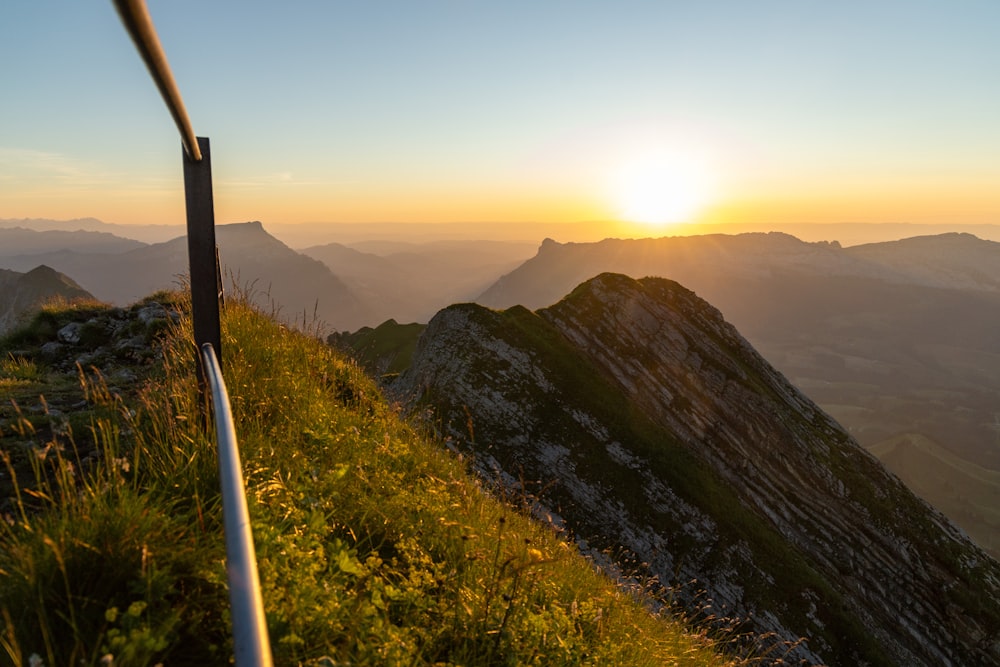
22 293
642 420
968 493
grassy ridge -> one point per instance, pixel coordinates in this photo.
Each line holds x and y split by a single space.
386 349
374 544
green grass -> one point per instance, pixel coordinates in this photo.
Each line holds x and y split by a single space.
385 350
52 316
18 371
375 546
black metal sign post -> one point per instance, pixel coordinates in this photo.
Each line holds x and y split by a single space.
202 251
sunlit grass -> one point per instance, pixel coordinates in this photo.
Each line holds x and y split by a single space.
375 546
17 371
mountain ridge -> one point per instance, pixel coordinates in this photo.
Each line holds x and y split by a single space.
22 241
861 562
685 258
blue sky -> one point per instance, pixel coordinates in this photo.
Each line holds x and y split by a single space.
491 111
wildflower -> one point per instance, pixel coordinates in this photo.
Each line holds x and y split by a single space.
35 660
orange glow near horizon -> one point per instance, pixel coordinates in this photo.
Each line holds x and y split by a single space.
647 197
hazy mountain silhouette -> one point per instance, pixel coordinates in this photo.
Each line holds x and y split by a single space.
302 235
846 233
20 241
142 233
962 261
280 277
22 293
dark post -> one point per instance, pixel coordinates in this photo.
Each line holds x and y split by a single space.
202 251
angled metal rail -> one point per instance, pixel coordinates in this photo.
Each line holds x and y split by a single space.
250 641
139 25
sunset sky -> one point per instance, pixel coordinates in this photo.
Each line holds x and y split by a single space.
525 110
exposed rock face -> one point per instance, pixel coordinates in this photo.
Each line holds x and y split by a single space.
20 293
650 424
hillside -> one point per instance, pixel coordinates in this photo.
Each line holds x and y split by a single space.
636 416
23 293
375 545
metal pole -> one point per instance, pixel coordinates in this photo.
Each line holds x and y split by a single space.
250 641
201 247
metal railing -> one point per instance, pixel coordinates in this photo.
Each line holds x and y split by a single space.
139 25
250 640
251 643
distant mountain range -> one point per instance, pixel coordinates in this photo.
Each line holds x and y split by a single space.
141 233
633 415
280 279
957 261
20 241
344 287
303 235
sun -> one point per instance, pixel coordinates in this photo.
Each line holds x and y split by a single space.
663 188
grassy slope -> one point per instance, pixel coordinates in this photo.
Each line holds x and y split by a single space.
374 544
386 349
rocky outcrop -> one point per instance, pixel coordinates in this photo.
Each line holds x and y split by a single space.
638 418
60 347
